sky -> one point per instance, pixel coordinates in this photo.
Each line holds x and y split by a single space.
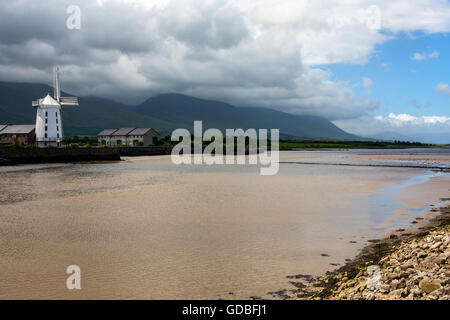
376 68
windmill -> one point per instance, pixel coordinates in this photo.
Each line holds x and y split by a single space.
49 127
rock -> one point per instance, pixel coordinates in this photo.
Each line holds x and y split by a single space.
396 294
385 288
416 292
422 254
407 265
439 260
370 296
429 286
436 245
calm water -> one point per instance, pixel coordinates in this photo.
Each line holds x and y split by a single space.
144 228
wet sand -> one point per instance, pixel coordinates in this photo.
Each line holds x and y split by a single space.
143 229
405 157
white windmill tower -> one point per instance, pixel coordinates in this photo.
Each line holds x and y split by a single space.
49 127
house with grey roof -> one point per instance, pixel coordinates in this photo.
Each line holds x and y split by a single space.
130 137
23 134
104 137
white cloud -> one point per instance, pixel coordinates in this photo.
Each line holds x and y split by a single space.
425 56
430 129
398 120
443 88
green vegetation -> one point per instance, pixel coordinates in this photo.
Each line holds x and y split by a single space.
317 144
311 144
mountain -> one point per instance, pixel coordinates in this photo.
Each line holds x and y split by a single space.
164 112
215 114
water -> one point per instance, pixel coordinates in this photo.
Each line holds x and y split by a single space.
143 228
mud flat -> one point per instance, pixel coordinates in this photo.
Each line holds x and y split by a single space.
405 265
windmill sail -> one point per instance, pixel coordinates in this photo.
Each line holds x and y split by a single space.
64 101
56 90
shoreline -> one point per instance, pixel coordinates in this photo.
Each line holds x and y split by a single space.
338 284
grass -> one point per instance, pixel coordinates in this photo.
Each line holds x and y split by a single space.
311 144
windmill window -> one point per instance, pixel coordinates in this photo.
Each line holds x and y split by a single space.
46 120
46 113
57 128
57 135
56 120
46 136
46 128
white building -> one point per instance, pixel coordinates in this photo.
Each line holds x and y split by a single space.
49 127
48 122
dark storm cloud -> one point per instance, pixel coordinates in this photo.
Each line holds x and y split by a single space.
244 52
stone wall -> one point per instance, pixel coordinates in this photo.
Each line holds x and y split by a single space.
46 155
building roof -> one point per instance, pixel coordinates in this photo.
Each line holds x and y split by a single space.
18 129
49 101
139 131
126 132
107 132
123 131
2 126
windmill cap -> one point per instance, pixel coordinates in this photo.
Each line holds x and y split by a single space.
49 101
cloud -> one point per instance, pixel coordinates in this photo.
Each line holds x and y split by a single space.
367 82
429 129
425 56
443 88
400 120
250 53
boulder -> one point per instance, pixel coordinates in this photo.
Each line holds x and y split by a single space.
428 286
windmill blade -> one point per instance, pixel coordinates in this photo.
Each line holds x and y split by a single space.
56 89
69 101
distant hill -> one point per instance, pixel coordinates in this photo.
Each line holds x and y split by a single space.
215 114
164 112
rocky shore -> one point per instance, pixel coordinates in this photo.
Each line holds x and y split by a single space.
406 265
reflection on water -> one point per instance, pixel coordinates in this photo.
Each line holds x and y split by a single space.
143 228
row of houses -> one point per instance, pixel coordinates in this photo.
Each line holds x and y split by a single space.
131 137
22 134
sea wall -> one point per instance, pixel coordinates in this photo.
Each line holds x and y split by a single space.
143 151
46 155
